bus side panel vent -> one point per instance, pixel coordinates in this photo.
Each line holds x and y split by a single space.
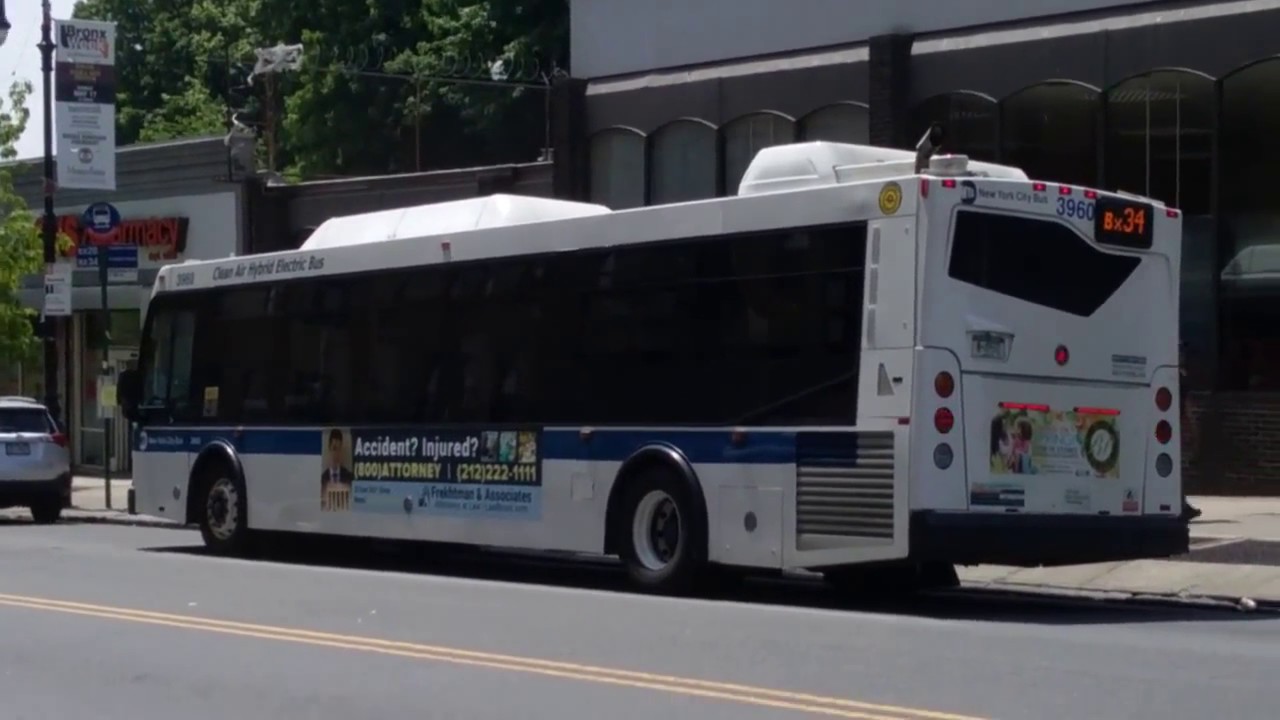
844 487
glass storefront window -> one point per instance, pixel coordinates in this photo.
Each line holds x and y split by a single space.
126 333
1248 152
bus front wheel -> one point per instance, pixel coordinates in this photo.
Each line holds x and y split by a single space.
664 537
224 513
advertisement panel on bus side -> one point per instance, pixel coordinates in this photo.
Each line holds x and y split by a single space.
482 474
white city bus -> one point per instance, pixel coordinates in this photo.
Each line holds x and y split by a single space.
867 363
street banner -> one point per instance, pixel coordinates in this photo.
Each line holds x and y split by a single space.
85 104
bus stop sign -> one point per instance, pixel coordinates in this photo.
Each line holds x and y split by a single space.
100 220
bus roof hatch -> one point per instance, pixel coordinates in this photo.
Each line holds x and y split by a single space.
815 164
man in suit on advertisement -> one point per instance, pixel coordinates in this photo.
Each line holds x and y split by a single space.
335 475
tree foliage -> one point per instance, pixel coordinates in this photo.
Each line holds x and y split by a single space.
20 252
385 86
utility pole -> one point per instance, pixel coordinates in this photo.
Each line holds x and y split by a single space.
272 61
50 226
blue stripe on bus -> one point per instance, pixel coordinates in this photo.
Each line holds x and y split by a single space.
604 445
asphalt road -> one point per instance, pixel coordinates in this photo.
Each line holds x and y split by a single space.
109 622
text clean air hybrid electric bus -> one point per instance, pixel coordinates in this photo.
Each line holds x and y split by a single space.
868 363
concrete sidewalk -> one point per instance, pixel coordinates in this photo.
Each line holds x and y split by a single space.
1225 520
90 493
1255 518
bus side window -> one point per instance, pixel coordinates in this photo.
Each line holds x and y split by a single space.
180 389
159 351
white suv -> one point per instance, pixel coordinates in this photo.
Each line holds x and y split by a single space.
35 465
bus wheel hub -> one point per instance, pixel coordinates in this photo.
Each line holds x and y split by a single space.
221 508
655 530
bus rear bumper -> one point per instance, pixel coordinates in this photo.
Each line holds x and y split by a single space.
1029 540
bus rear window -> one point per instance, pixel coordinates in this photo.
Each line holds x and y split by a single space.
1034 260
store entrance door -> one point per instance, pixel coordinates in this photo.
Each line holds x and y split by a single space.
93 429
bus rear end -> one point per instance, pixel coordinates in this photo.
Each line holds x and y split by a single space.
1048 368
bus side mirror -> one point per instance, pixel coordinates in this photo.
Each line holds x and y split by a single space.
129 387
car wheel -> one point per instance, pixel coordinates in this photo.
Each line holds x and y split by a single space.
47 510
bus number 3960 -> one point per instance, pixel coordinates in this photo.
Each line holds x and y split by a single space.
1073 208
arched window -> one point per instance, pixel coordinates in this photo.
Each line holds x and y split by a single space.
1050 130
1160 138
844 122
683 162
617 168
746 136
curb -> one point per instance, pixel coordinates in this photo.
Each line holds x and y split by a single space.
1206 600
117 517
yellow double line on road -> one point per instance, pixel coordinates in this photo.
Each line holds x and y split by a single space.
746 694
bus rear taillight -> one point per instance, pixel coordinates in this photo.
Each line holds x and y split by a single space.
944 384
1164 433
944 420
943 456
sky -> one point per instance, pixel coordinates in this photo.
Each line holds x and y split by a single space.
20 58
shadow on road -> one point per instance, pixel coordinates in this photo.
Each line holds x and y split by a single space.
607 575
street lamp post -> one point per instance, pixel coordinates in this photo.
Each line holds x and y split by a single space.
49 227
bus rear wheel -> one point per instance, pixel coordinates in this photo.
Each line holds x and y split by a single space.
664 537
224 513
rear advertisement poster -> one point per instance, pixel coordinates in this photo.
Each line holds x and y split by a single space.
483 474
1034 440
1039 441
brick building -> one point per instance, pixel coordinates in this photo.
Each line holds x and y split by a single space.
1177 100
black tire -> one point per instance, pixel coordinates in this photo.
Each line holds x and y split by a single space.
47 510
223 511
683 567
